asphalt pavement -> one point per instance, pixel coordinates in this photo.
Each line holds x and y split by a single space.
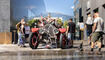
14 52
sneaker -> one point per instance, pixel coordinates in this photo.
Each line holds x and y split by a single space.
81 49
92 49
24 46
18 44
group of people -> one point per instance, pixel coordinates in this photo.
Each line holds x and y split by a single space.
95 28
23 31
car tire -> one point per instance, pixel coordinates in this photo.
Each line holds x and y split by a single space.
33 43
62 43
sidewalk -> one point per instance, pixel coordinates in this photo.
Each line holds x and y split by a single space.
12 47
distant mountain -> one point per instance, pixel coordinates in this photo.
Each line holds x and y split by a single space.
64 17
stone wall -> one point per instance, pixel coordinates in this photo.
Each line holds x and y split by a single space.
4 15
5 35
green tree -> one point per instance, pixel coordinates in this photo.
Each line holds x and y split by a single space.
59 21
31 22
65 24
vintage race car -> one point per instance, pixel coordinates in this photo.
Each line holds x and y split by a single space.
48 34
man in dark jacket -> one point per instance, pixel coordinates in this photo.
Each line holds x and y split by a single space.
70 32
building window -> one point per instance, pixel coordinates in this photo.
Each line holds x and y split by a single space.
80 15
95 10
88 4
104 6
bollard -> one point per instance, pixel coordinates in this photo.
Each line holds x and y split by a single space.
14 36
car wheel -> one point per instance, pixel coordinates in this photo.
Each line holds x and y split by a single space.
62 41
33 43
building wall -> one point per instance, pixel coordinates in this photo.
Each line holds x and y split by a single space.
5 35
26 9
8 11
11 10
21 8
94 4
4 15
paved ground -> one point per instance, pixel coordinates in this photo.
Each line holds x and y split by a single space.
13 52
14 47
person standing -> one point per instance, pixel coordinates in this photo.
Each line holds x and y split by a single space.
19 31
97 32
70 32
27 31
23 34
88 26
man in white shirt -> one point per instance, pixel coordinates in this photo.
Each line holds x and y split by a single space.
97 30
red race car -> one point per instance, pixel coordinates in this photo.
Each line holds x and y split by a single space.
48 34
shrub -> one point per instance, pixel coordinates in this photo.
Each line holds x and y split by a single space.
65 24
31 22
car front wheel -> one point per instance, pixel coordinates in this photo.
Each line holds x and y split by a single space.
33 40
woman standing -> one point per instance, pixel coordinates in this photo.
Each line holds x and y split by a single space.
23 34
20 30
89 24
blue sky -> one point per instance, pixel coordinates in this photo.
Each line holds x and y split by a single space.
59 6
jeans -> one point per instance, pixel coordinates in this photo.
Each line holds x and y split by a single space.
70 39
70 36
20 39
88 32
